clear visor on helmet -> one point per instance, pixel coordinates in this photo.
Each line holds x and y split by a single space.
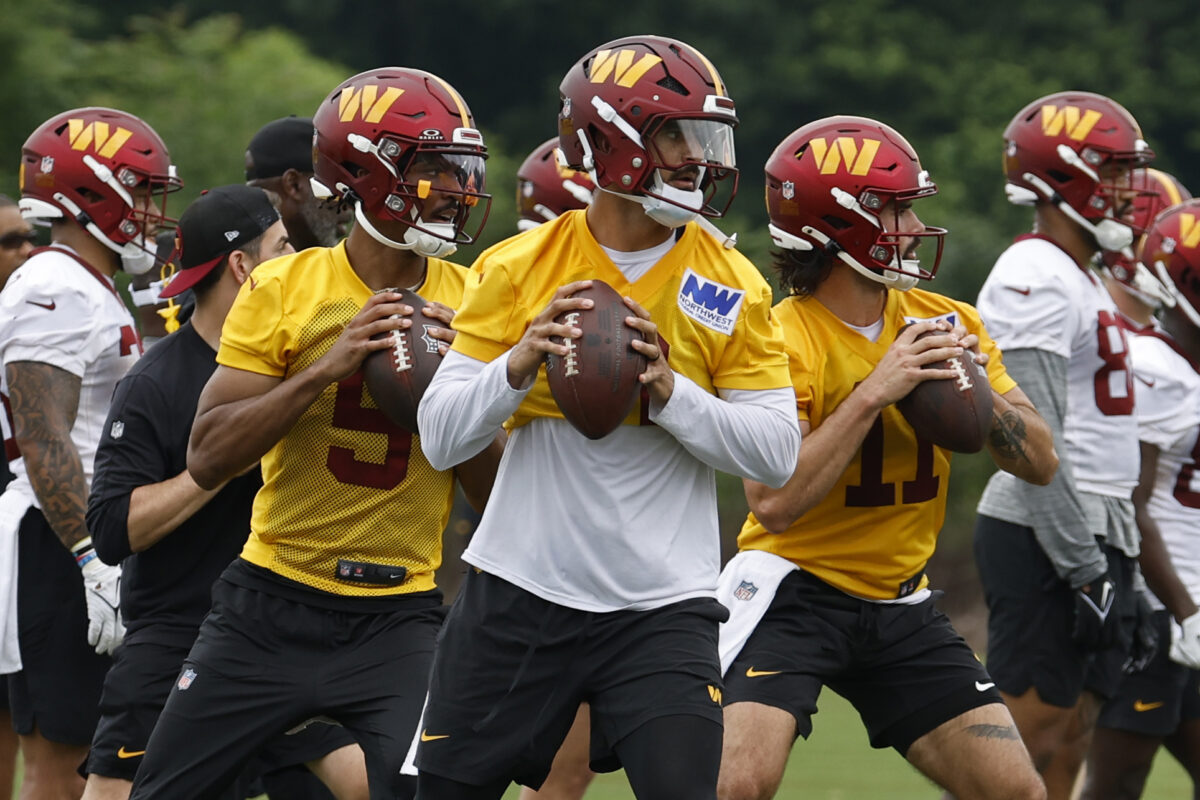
680 141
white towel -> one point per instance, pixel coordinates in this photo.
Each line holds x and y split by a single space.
15 501
746 587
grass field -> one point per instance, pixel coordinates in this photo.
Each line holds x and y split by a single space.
838 764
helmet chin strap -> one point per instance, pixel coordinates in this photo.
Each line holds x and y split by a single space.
1181 302
671 206
135 258
902 280
1109 234
420 242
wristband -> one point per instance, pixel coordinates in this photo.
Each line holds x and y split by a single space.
83 551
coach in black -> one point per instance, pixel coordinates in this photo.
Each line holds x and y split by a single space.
173 538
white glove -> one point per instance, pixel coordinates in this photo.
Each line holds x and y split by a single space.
1185 642
102 589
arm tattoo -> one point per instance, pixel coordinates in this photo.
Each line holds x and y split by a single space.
1008 435
45 400
993 732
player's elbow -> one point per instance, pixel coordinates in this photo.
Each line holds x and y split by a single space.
1045 470
204 472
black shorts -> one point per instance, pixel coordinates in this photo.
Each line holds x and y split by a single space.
57 691
135 691
512 668
903 666
1156 700
263 663
1031 612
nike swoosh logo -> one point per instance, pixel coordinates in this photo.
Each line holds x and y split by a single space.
426 737
1139 706
983 687
48 306
758 673
1018 290
1149 383
123 753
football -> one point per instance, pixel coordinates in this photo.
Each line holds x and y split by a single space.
398 376
955 413
596 383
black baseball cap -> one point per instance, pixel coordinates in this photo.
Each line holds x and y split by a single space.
217 222
279 146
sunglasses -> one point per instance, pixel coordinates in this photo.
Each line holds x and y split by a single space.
15 239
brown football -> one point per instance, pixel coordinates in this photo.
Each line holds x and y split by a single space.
954 413
596 384
398 376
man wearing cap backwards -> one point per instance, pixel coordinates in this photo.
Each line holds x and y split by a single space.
172 537
279 159
331 609
98 178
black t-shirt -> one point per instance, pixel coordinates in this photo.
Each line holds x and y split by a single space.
165 590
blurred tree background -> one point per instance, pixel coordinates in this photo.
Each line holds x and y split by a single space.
948 74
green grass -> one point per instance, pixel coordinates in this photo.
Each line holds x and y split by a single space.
837 763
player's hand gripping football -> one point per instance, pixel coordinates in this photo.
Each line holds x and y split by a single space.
1095 620
1185 642
102 590
658 377
442 313
355 342
528 354
900 369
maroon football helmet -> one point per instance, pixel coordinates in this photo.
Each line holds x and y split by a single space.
93 165
1171 249
385 140
546 189
829 181
641 104
1156 191
1057 150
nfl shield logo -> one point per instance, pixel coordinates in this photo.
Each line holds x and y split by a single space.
47 164
745 590
185 680
789 190
118 429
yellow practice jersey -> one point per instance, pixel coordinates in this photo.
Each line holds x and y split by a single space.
344 484
876 529
712 307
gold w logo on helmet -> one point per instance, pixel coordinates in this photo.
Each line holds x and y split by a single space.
366 103
1077 126
1189 231
619 64
844 152
98 135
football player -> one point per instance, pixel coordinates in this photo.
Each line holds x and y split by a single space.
1161 702
331 609
829 586
171 537
98 178
606 594
1057 562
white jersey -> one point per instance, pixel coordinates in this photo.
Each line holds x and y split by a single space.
57 310
1037 297
1168 414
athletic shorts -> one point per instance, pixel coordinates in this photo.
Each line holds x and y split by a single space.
135 691
1031 612
57 691
512 668
263 663
903 666
1156 700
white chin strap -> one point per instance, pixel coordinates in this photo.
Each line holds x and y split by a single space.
902 280
136 258
1108 232
673 207
423 243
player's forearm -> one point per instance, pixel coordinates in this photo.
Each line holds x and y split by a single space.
750 434
1159 572
464 407
159 508
825 453
229 438
1020 441
56 475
